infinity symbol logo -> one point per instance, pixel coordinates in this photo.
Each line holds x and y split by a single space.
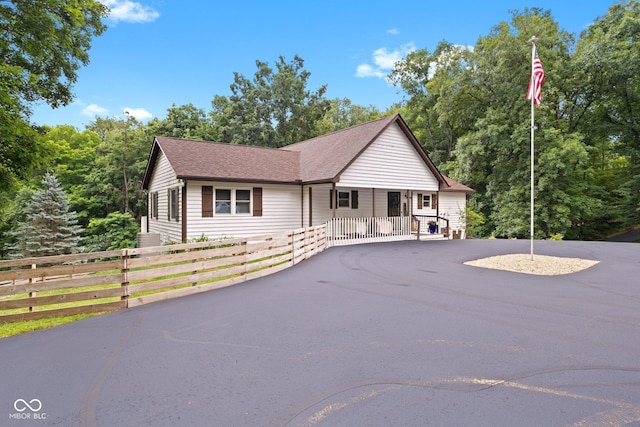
21 405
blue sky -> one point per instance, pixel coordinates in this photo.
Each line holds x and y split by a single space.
160 52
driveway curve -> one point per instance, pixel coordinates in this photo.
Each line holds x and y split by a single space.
398 334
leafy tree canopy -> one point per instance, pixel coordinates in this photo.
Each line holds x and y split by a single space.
42 45
274 109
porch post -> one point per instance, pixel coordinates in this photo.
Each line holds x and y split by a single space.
334 196
310 206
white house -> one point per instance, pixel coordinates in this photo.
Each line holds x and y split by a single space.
376 169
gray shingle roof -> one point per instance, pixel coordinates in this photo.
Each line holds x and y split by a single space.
321 159
455 186
227 162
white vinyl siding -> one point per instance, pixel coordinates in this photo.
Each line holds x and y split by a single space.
391 161
162 180
452 206
280 211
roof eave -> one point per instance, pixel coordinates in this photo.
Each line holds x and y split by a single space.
453 190
242 180
151 163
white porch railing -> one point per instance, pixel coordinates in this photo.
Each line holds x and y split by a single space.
351 231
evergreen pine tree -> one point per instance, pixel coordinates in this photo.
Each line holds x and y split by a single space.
49 228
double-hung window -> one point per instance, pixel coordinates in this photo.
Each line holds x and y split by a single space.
243 201
427 201
173 196
154 205
223 201
235 201
344 199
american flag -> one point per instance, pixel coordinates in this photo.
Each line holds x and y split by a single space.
537 78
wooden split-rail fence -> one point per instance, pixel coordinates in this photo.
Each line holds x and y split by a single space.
35 288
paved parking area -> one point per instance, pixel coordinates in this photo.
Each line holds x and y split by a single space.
398 334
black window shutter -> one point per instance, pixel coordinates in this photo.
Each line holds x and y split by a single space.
330 199
354 199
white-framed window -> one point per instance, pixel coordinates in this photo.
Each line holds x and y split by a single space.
243 201
426 201
173 203
223 201
154 205
232 201
343 199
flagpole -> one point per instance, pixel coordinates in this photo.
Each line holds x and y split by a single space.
533 50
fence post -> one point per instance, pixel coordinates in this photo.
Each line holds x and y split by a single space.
293 248
32 293
307 240
125 276
245 264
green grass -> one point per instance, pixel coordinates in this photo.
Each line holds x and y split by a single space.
16 328
19 327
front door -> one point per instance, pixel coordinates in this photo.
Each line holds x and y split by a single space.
393 203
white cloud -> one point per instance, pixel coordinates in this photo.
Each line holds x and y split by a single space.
384 60
393 31
94 110
138 113
130 11
366 70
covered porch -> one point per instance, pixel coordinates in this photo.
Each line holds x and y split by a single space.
322 203
353 231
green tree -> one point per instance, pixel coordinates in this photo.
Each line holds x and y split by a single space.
342 113
442 104
116 231
185 121
43 44
495 154
49 228
16 212
72 157
469 108
115 183
274 109
609 55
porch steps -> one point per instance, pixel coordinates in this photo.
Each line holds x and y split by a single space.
429 236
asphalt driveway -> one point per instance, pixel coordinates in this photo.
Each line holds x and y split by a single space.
393 334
